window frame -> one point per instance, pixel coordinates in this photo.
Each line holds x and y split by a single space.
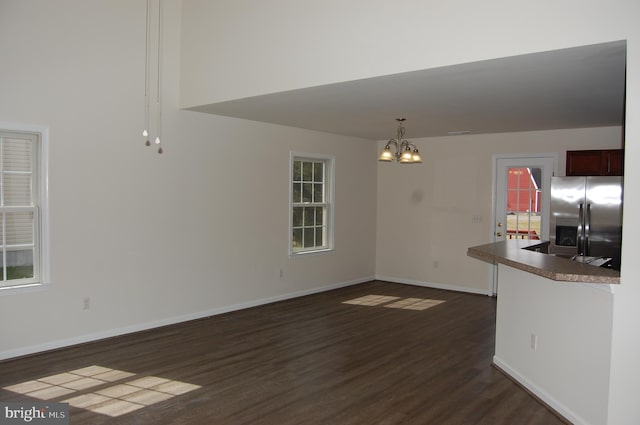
40 199
329 201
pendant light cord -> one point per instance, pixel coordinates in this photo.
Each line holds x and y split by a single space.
159 88
146 76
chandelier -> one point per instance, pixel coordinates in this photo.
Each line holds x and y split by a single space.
405 151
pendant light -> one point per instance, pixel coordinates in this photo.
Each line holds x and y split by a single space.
147 80
404 152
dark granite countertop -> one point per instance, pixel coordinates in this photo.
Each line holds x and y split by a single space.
521 254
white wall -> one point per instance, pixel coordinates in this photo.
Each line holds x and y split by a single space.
425 211
72 66
155 238
304 43
298 44
625 367
572 323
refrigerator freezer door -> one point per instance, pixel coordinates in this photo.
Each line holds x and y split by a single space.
603 218
567 194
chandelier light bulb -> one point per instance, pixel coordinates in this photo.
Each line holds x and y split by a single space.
158 140
145 134
406 157
386 155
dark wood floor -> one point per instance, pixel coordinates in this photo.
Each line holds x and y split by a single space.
312 360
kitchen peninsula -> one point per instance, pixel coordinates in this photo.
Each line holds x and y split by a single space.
530 256
553 326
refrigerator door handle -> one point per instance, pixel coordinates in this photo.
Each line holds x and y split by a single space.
587 226
581 229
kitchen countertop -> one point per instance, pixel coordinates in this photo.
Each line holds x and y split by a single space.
520 254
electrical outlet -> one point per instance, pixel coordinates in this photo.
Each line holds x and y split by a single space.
436 264
534 342
476 218
86 303
281 273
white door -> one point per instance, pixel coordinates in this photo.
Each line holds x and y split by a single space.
521 193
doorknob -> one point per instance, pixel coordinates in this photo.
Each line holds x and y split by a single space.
499 224
498 234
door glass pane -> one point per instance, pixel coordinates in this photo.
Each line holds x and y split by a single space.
524 202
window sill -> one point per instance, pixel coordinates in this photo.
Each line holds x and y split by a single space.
310 252
23 289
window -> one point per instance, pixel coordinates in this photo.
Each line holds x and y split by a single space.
21 214
311 209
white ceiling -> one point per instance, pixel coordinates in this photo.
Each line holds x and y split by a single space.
568 88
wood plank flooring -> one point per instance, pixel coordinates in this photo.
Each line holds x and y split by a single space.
311 360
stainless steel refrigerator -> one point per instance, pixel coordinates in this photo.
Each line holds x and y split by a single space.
586 219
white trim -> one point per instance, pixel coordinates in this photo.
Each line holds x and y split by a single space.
560 408
62 343
553 155
45 276
295 254
23 289
444 286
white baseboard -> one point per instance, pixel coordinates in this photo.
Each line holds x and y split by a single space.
560 408
434 285
81 339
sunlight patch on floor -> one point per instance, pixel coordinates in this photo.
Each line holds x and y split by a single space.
371 300
110 399
414 304
395 302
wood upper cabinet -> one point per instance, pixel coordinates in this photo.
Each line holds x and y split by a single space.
595 163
